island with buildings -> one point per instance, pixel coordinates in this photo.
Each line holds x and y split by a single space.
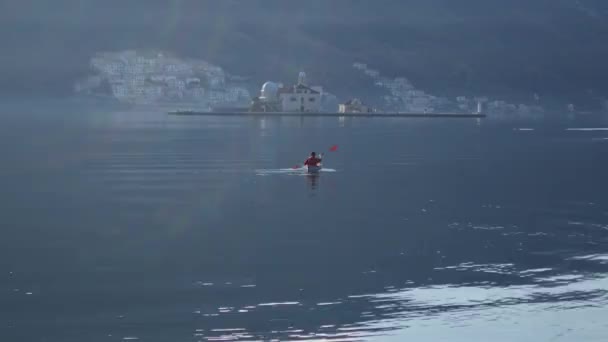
164 81
189 86
299 97
302 99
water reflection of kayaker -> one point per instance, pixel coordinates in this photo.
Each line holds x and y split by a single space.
312 160
313 180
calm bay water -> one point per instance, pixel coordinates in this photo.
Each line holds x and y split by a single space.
141 226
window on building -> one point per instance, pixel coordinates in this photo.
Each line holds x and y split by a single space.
293 99
312 99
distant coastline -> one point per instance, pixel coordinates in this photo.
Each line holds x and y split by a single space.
330 114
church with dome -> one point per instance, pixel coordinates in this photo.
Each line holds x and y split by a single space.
297 98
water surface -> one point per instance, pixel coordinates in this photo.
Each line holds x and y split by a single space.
122 226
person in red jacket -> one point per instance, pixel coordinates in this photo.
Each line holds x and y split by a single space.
312 160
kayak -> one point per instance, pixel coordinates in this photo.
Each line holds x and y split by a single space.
314 169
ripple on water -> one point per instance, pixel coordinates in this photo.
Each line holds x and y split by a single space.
278 304
328 303
506 268
602 258
587 129
535 271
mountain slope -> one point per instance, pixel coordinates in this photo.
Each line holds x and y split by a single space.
496 48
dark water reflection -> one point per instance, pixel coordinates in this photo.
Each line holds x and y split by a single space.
313 181
139 226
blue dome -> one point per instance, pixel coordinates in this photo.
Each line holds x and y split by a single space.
270 90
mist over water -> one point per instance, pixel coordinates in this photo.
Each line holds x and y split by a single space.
121 226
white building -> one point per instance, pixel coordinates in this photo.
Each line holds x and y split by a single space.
300 97
360 66
120 91
354 106
372 73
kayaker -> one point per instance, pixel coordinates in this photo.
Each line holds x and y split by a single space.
312 160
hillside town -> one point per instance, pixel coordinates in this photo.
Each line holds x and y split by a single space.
156 77
153 77
402 96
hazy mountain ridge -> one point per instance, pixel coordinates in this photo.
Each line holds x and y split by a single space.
473 47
